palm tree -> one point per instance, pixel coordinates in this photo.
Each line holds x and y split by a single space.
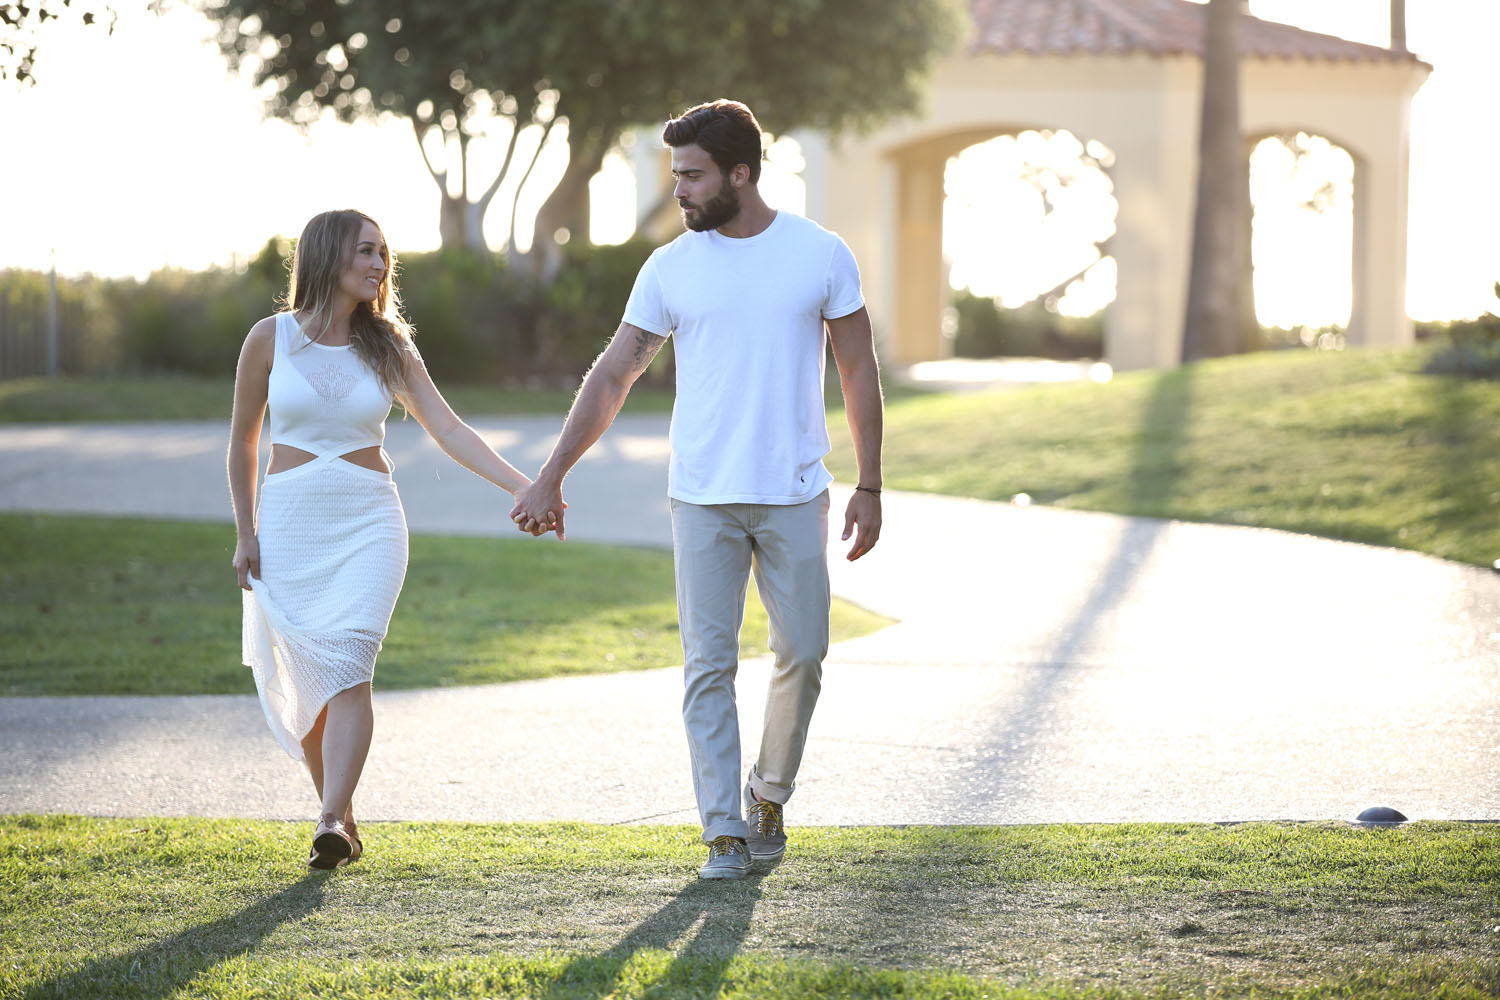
1216 313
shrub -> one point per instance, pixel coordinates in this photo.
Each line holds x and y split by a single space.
462 306
195 321
476 319
582 308
479 320
86 329
986 329
1472 349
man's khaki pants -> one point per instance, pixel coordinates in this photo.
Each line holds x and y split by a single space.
715 547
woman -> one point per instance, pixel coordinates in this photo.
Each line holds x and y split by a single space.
323 556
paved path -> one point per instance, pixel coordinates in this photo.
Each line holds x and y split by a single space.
1048 665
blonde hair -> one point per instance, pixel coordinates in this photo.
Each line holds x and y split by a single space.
378 334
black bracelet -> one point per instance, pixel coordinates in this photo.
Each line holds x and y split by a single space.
868 489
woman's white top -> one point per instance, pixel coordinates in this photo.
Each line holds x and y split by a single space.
323 399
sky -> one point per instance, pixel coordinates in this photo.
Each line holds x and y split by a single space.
140 151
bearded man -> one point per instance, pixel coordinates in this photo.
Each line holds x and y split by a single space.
752 295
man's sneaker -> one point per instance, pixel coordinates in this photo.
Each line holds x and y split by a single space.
726 859
767 840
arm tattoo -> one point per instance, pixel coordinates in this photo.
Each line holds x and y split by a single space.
644 350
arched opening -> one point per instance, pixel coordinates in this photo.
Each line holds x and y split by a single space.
1302 239
1027 222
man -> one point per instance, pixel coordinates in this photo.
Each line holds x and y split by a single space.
747 292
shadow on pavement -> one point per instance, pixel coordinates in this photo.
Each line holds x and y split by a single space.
1018 742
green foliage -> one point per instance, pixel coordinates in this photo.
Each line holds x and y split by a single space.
987 329
188 322
602 65
87 329
832 64
476 319
18 31
583 307
468 313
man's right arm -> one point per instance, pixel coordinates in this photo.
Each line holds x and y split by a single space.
604 390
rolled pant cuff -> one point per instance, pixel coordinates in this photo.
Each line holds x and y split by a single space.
727 828
769 792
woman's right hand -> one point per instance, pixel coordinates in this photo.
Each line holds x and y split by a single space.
247 560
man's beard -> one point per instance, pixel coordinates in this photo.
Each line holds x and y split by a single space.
718 210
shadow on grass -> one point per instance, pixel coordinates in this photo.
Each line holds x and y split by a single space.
162 968
721 911
1462 431
1157 464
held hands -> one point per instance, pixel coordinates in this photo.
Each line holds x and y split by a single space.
864 511
539 509
247 560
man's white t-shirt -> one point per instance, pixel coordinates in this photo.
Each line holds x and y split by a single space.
747 316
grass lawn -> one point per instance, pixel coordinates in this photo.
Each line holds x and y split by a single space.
188 397
205 908
1358 445
126 606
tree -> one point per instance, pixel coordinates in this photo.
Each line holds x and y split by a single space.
19 25
597 67
1215 321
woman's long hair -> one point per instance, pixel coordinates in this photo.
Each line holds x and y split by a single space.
380 337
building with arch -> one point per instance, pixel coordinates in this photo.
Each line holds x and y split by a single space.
1127 73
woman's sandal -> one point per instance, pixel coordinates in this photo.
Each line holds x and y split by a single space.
331 846
352 830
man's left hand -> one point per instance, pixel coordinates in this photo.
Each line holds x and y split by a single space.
863 514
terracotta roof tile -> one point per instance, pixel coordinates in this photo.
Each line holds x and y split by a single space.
1155 27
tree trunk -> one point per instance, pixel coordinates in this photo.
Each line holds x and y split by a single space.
567 207
474 226
460 221
1214 312
451 223
1251 338
461 224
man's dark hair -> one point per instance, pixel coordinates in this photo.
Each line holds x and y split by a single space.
726 130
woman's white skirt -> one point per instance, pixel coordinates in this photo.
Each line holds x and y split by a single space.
332 560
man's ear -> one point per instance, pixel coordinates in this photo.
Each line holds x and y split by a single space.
740 175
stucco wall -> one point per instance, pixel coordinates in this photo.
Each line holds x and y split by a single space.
883 192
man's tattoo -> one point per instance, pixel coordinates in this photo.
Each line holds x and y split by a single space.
646 346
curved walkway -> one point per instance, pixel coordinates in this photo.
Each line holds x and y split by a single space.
1048 665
